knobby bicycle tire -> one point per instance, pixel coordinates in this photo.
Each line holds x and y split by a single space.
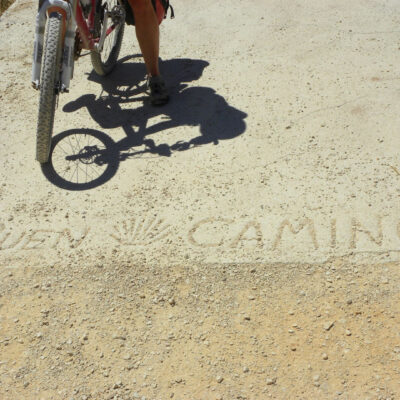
50 75
104 62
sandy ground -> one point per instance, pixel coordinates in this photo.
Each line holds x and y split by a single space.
242 242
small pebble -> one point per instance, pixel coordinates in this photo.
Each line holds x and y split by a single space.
219 379
171 302
271 381
324 356
328 326
348 332
120 337
117 385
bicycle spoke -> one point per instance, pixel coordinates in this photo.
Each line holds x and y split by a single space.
79 158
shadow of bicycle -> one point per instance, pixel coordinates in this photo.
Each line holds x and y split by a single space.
82 159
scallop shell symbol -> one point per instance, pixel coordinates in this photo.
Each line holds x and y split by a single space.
141 231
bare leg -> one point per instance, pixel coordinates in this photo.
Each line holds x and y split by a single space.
147 33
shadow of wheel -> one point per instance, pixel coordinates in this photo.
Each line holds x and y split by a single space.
81 159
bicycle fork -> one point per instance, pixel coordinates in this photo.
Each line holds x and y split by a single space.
67 64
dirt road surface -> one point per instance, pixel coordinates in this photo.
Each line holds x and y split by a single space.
242 242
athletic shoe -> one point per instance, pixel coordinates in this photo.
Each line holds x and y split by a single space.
158 91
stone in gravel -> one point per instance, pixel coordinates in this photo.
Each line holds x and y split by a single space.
171 302
246 369
349 301
328 325
247 317
120 337
348 332
324 356
219 379
271 381
117 385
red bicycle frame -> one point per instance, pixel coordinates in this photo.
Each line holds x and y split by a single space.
85 26
86 29
75 27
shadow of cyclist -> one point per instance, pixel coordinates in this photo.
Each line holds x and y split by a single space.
189 106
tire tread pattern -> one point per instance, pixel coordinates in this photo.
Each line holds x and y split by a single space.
50 69
104 68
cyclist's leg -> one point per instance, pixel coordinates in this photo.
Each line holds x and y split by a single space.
147 32
148 35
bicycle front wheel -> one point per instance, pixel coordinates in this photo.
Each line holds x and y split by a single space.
49 83
104 61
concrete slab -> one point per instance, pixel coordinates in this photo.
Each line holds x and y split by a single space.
280 142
